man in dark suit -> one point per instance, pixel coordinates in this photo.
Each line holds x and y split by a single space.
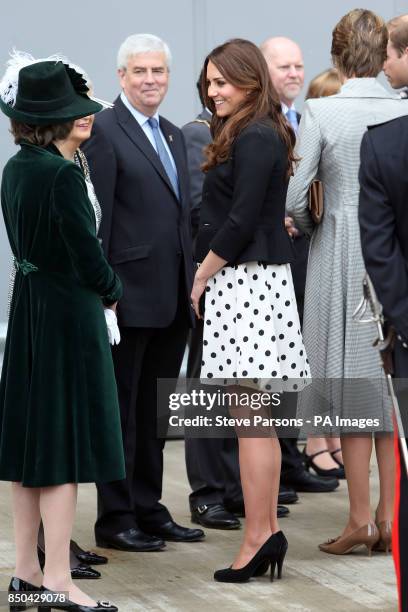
383 216
138 166
286 68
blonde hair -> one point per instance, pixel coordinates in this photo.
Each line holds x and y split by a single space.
359 44
398 31
326 83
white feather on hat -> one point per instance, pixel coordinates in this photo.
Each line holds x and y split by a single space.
17 61
21 59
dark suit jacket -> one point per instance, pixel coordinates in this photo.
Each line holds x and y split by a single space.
145 230
197 136
243 207
383 216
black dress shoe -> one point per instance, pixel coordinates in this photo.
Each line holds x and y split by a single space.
132 539
87 556
287 495
305 482
214 516
172 532
79 571
236 507
21 586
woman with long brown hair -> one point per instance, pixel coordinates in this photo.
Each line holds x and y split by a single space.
252 338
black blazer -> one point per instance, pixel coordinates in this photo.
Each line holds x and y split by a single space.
243 205
145 230
383 216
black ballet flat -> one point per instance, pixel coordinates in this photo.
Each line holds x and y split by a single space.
273 552
84 572
70 606
87 556
308 460
79 571
21 586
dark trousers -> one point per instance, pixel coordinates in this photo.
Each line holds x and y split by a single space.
401 559
291 457
143 356
212 463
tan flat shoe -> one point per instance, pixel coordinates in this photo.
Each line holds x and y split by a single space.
384 542
367 536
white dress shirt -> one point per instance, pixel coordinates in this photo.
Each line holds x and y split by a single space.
143 121
286 108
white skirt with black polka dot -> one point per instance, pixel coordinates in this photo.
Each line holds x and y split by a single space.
252 331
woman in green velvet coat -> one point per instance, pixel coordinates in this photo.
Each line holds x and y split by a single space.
59 417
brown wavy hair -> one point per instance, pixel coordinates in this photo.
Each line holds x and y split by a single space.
359 44
242 64
40 135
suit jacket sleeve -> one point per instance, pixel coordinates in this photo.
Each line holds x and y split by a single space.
103 168
75 218
308 149
381 249
254 156
197 136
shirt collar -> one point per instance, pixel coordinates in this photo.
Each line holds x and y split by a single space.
140 117
286 108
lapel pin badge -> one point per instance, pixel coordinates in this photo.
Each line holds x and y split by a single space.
170 138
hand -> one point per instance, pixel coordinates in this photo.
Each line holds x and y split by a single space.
199 286
290 227
112 325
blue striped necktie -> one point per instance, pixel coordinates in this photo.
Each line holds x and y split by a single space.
164 156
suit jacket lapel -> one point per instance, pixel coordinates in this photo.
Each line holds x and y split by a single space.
138 137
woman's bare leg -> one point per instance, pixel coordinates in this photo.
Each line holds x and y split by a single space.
384 448
57 507
257 477
259 461
276 456
26 518
356 455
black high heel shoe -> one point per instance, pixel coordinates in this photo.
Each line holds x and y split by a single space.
21 586
70 606
79 571
273 552
337 472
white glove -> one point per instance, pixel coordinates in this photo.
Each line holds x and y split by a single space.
112 325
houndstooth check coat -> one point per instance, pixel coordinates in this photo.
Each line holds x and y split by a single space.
328 145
